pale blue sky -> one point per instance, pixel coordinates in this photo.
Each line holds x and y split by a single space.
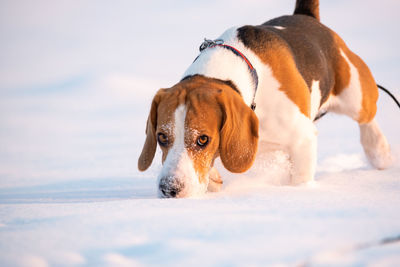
45 42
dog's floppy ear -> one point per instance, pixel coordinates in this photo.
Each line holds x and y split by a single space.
150 145
239 133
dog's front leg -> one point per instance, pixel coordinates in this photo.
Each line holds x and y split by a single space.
215 182
303 155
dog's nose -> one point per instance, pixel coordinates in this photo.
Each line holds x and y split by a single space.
170 186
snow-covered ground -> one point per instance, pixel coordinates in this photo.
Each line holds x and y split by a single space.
76 81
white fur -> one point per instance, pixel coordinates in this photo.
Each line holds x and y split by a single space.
375 145
279 27
281 121
349 101
315 99
178 163
221 63
283 124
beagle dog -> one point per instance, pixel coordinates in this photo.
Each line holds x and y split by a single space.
260 85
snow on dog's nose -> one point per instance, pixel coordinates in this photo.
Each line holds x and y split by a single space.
170 186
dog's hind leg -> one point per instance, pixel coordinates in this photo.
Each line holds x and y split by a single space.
358 100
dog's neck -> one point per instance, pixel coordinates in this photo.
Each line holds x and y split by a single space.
222 64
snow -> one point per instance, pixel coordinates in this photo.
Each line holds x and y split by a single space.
76 83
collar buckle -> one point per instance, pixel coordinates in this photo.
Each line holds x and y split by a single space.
210 43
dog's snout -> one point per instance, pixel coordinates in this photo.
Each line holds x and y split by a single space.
170 186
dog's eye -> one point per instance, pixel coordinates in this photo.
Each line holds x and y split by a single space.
162 139
202 140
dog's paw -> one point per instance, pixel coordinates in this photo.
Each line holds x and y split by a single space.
381 158
301 179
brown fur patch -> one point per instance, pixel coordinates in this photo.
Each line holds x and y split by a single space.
150 145
369 89
292 83
342 69
273 51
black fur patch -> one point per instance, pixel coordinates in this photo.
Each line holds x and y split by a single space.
311 44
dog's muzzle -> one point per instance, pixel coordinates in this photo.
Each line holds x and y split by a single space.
170 187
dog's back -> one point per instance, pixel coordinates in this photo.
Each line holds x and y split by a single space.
288 31
318 52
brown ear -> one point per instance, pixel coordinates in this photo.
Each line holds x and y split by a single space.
150 145
239 133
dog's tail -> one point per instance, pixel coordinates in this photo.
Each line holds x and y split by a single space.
307 7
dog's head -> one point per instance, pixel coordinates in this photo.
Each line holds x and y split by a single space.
194 122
